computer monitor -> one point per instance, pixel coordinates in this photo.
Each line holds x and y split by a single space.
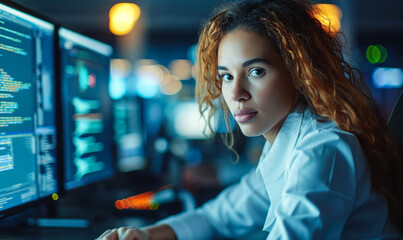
27 108
86 109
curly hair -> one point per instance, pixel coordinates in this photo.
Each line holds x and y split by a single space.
322 78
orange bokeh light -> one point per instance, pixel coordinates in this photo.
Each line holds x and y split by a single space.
329 16
143 201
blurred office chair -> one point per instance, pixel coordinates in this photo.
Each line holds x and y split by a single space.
395 123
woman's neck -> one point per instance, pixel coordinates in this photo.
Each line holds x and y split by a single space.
272 134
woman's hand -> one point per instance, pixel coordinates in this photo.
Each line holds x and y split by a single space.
154 232
124 233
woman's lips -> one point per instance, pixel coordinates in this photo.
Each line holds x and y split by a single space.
242 116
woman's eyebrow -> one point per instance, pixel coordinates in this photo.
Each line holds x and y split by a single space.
255 60
247 63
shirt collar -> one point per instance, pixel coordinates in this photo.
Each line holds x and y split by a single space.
272 161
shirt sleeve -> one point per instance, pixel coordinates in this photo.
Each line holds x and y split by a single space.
236 211
320 186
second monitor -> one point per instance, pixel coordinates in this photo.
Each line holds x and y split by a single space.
86 109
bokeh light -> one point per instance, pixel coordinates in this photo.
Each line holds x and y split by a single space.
55 196
329 16
117 88
376 54
387 77
118 204
181 68
123 17
120 68
150 72
143 201
148 79
166 74
161 145
173 86
144 61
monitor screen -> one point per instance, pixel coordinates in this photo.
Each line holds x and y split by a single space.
128 135
27 108
86 109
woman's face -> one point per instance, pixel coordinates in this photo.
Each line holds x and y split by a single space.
255 83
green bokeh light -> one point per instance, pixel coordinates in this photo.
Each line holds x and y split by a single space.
155 205
376 54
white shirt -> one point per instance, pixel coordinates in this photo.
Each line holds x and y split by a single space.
312 183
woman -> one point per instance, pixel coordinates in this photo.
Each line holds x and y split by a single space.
328 170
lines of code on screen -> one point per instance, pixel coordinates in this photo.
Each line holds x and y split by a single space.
16 77
17 108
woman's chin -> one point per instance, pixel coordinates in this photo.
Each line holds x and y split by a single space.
250 132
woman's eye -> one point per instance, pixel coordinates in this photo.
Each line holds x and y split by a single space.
226 77
256 72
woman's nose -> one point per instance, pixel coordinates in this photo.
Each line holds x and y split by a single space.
240 90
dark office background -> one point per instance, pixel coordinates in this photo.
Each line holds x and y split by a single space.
167 31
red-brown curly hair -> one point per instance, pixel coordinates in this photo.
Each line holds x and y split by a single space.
320 74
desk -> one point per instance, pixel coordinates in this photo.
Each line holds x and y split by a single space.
96 229
99 222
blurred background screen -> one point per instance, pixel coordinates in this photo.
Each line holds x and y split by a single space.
87 109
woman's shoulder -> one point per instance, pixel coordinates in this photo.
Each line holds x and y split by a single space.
314 124
325 154
319 133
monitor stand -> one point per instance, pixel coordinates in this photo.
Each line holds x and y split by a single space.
59 222
53 219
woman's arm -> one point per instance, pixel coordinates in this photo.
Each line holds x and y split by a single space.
159 232
238 210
